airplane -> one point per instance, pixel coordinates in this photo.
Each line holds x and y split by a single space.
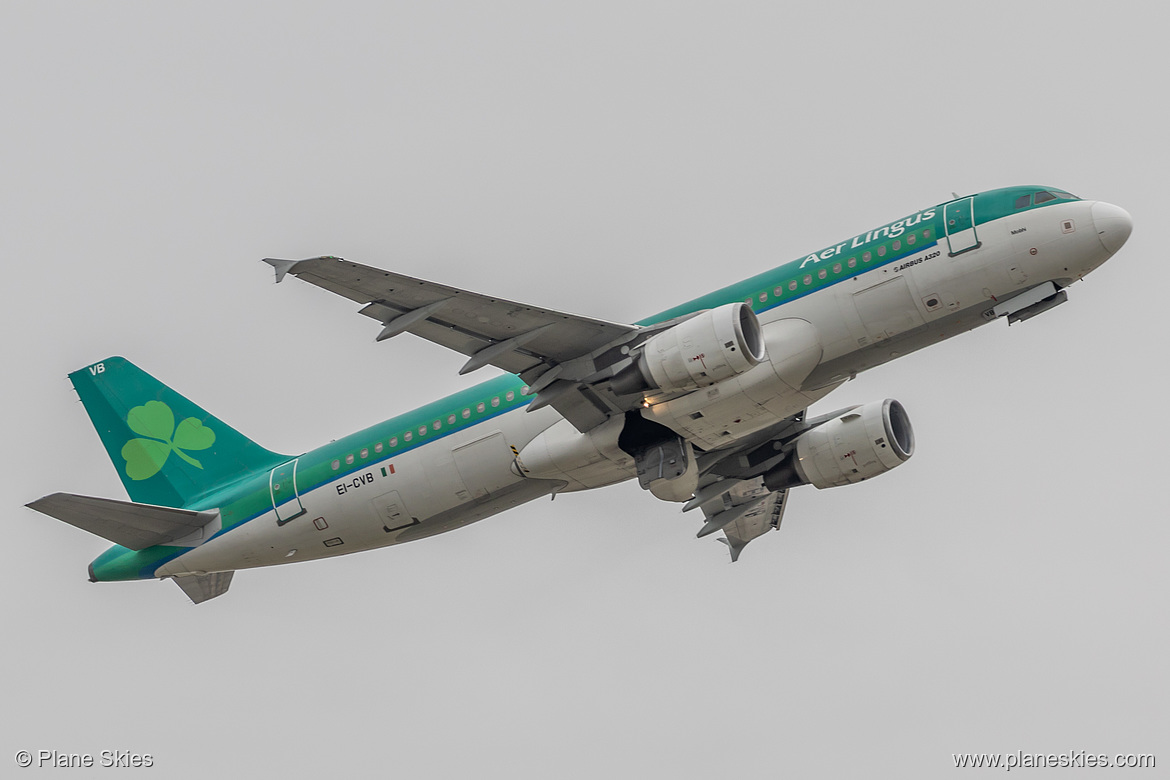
705 404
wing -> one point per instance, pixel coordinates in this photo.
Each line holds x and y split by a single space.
731 490
765 513
561 356
746 512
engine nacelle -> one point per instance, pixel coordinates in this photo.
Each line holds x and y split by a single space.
862 443
708 348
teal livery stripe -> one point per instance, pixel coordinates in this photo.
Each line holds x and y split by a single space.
823 269
886 244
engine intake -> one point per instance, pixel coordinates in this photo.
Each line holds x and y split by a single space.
864 442
708 348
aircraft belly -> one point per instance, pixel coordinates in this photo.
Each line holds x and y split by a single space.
833 372
457 517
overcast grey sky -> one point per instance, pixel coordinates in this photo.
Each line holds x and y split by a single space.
1005 590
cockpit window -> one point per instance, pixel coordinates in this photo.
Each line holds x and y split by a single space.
1044 196
1023 201
1064 195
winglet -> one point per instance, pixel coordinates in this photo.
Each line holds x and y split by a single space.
282 266
290 266
736 547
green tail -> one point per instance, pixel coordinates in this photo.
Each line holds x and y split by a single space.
167 450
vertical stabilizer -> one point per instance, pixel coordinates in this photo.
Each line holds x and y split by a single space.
167 450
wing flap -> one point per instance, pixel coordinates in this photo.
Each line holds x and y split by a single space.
134 526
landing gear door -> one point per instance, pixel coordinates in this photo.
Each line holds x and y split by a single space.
282 486
959 221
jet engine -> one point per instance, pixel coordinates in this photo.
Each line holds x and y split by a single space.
708 348
856 445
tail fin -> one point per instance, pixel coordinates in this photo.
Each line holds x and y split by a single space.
167 450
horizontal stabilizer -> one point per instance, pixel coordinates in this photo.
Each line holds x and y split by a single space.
134 526
202 587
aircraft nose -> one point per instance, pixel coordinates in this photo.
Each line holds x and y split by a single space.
1113 223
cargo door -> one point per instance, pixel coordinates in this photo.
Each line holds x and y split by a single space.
887 309
485 465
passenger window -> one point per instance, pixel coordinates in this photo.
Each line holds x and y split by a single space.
852 262
897 245
511 394
378 447
763 297
821 274
792 285
479 407
407 436
836 268
466 413
436 424
778 291
1044 197
807 279
882 250
910 239
926 234
422 430
393 441
336 465
349 459
450 419
866 256
496 401
365 453
1023 201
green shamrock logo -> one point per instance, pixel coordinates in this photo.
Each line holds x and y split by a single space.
155 422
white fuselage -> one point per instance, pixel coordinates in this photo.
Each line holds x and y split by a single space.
858 323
